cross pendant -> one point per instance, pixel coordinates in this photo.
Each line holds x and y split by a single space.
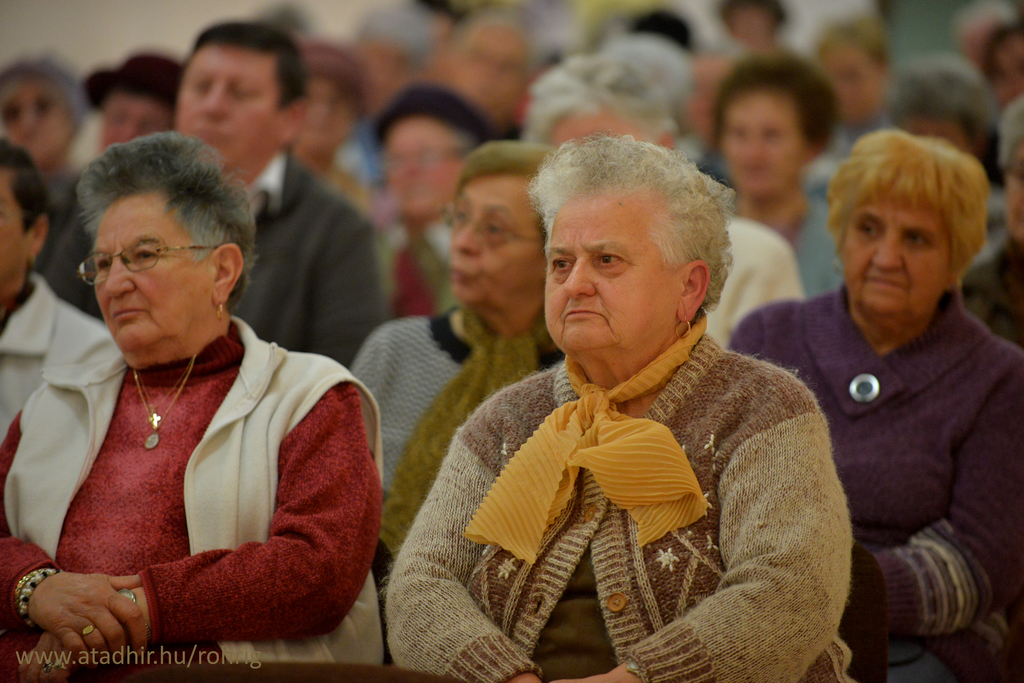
154 420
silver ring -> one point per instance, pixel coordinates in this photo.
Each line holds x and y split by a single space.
50 666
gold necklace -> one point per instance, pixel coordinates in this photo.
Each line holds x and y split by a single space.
152 417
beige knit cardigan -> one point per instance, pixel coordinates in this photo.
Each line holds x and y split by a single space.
751 592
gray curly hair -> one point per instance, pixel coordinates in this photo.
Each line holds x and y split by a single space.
589 84
699 207
212 209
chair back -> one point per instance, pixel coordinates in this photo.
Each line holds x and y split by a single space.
865 623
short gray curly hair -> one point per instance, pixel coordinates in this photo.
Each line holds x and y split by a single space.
212 209
699 207
589 84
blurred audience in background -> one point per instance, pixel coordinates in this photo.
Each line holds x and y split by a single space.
398 45
975 24
664 63
754 24
336 94
489 62
42 106
774 115
426 133
855 57
709 70
945 96
1003 63
136 98
994 287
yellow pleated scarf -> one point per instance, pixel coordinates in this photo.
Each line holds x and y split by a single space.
637 463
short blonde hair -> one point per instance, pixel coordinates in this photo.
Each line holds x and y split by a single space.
921 172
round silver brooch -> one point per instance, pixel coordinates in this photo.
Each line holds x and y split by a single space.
865 388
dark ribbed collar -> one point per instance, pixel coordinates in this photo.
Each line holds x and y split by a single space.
841 352
220 354
444 336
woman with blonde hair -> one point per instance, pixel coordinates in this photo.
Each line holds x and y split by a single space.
924 403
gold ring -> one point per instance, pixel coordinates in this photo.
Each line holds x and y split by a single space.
88 629
51 666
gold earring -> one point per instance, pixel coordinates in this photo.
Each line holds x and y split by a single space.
220 311
688 327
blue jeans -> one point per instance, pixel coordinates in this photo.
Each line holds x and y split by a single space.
909 662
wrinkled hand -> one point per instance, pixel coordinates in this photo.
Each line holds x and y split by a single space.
48 649
66 604
616 675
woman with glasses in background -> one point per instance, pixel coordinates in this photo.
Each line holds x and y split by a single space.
428 374
172 500
42 107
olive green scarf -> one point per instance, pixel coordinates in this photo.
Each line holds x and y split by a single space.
493 362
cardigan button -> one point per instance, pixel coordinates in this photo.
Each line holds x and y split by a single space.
589 514
616 603
864 388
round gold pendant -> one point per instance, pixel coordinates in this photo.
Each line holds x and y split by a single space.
152 440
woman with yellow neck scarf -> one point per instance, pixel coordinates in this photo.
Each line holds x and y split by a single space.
654 509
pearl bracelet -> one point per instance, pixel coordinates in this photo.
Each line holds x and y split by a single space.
26 586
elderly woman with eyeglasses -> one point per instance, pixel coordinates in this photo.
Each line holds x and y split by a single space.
428 374
655 508
174 500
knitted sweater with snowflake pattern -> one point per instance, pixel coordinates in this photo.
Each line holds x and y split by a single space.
753 591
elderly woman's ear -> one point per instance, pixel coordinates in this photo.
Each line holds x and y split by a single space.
227 263
694 278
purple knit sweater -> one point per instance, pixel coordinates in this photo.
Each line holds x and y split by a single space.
933 467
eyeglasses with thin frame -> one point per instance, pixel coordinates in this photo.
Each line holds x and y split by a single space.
142 256
488 231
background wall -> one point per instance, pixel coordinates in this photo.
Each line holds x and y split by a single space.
92 32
